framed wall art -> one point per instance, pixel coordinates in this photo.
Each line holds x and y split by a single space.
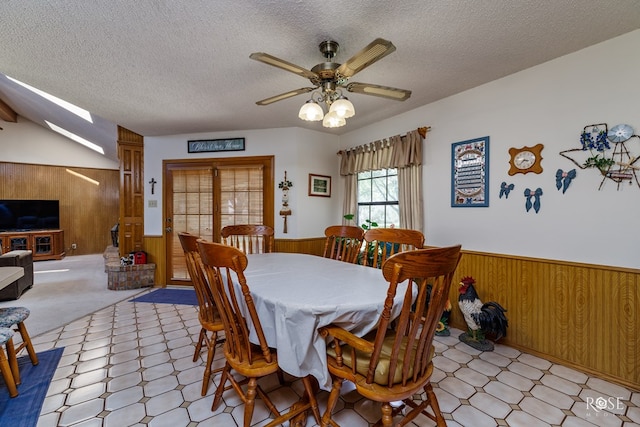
470 173
319 185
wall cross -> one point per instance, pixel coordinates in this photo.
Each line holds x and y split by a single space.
153 183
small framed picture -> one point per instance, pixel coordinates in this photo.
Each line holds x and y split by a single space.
319 185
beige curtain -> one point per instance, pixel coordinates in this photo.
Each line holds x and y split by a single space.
401 152
350 202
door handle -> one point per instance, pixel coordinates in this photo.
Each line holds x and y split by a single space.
168 229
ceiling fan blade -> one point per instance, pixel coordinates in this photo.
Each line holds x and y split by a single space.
382 91
281 63
285 95
374 51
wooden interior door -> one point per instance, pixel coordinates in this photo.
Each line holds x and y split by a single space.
203 196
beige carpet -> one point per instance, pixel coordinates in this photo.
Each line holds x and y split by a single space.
66 290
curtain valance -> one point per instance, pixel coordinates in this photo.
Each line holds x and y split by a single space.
394 152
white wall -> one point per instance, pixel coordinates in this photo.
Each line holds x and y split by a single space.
298 151
548 104
27 142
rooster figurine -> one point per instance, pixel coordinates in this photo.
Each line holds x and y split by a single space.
482 319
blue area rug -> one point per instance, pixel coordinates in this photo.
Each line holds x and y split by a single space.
169 296
24 409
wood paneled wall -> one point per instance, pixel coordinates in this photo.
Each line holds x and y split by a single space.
313 246
581 315
87 211
155 248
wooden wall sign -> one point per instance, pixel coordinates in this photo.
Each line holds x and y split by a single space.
212 145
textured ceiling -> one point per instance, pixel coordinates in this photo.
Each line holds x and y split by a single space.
160 67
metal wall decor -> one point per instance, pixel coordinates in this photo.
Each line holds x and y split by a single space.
153 183
613 152
470 173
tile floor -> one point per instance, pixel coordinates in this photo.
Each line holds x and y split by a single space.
130 364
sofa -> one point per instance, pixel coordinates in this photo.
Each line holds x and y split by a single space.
22 259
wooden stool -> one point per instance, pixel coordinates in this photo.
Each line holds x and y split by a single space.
7 364
10 316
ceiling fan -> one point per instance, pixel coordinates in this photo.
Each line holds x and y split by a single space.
329 77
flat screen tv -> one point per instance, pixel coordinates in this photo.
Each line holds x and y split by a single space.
27 215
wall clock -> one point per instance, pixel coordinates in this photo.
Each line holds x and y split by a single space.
525 159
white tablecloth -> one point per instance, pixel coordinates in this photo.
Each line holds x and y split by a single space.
295 294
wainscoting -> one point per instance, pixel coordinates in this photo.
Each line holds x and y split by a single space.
580 315
313 246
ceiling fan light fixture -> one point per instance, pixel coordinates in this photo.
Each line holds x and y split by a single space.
311 111
343 107
332 120
330 78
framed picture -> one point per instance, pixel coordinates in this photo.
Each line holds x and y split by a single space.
470 173
319 185
213 145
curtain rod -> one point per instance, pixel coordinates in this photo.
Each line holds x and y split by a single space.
421 130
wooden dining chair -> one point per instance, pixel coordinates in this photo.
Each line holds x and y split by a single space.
249 238
381 243
225 265
210 320
395 364
343 242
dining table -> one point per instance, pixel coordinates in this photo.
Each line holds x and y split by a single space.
295 294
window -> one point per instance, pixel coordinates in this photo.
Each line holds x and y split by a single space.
241 195
192 203
378 197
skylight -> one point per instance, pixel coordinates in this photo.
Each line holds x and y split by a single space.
75 137
80 112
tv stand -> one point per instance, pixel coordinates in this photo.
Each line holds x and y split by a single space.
44 244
